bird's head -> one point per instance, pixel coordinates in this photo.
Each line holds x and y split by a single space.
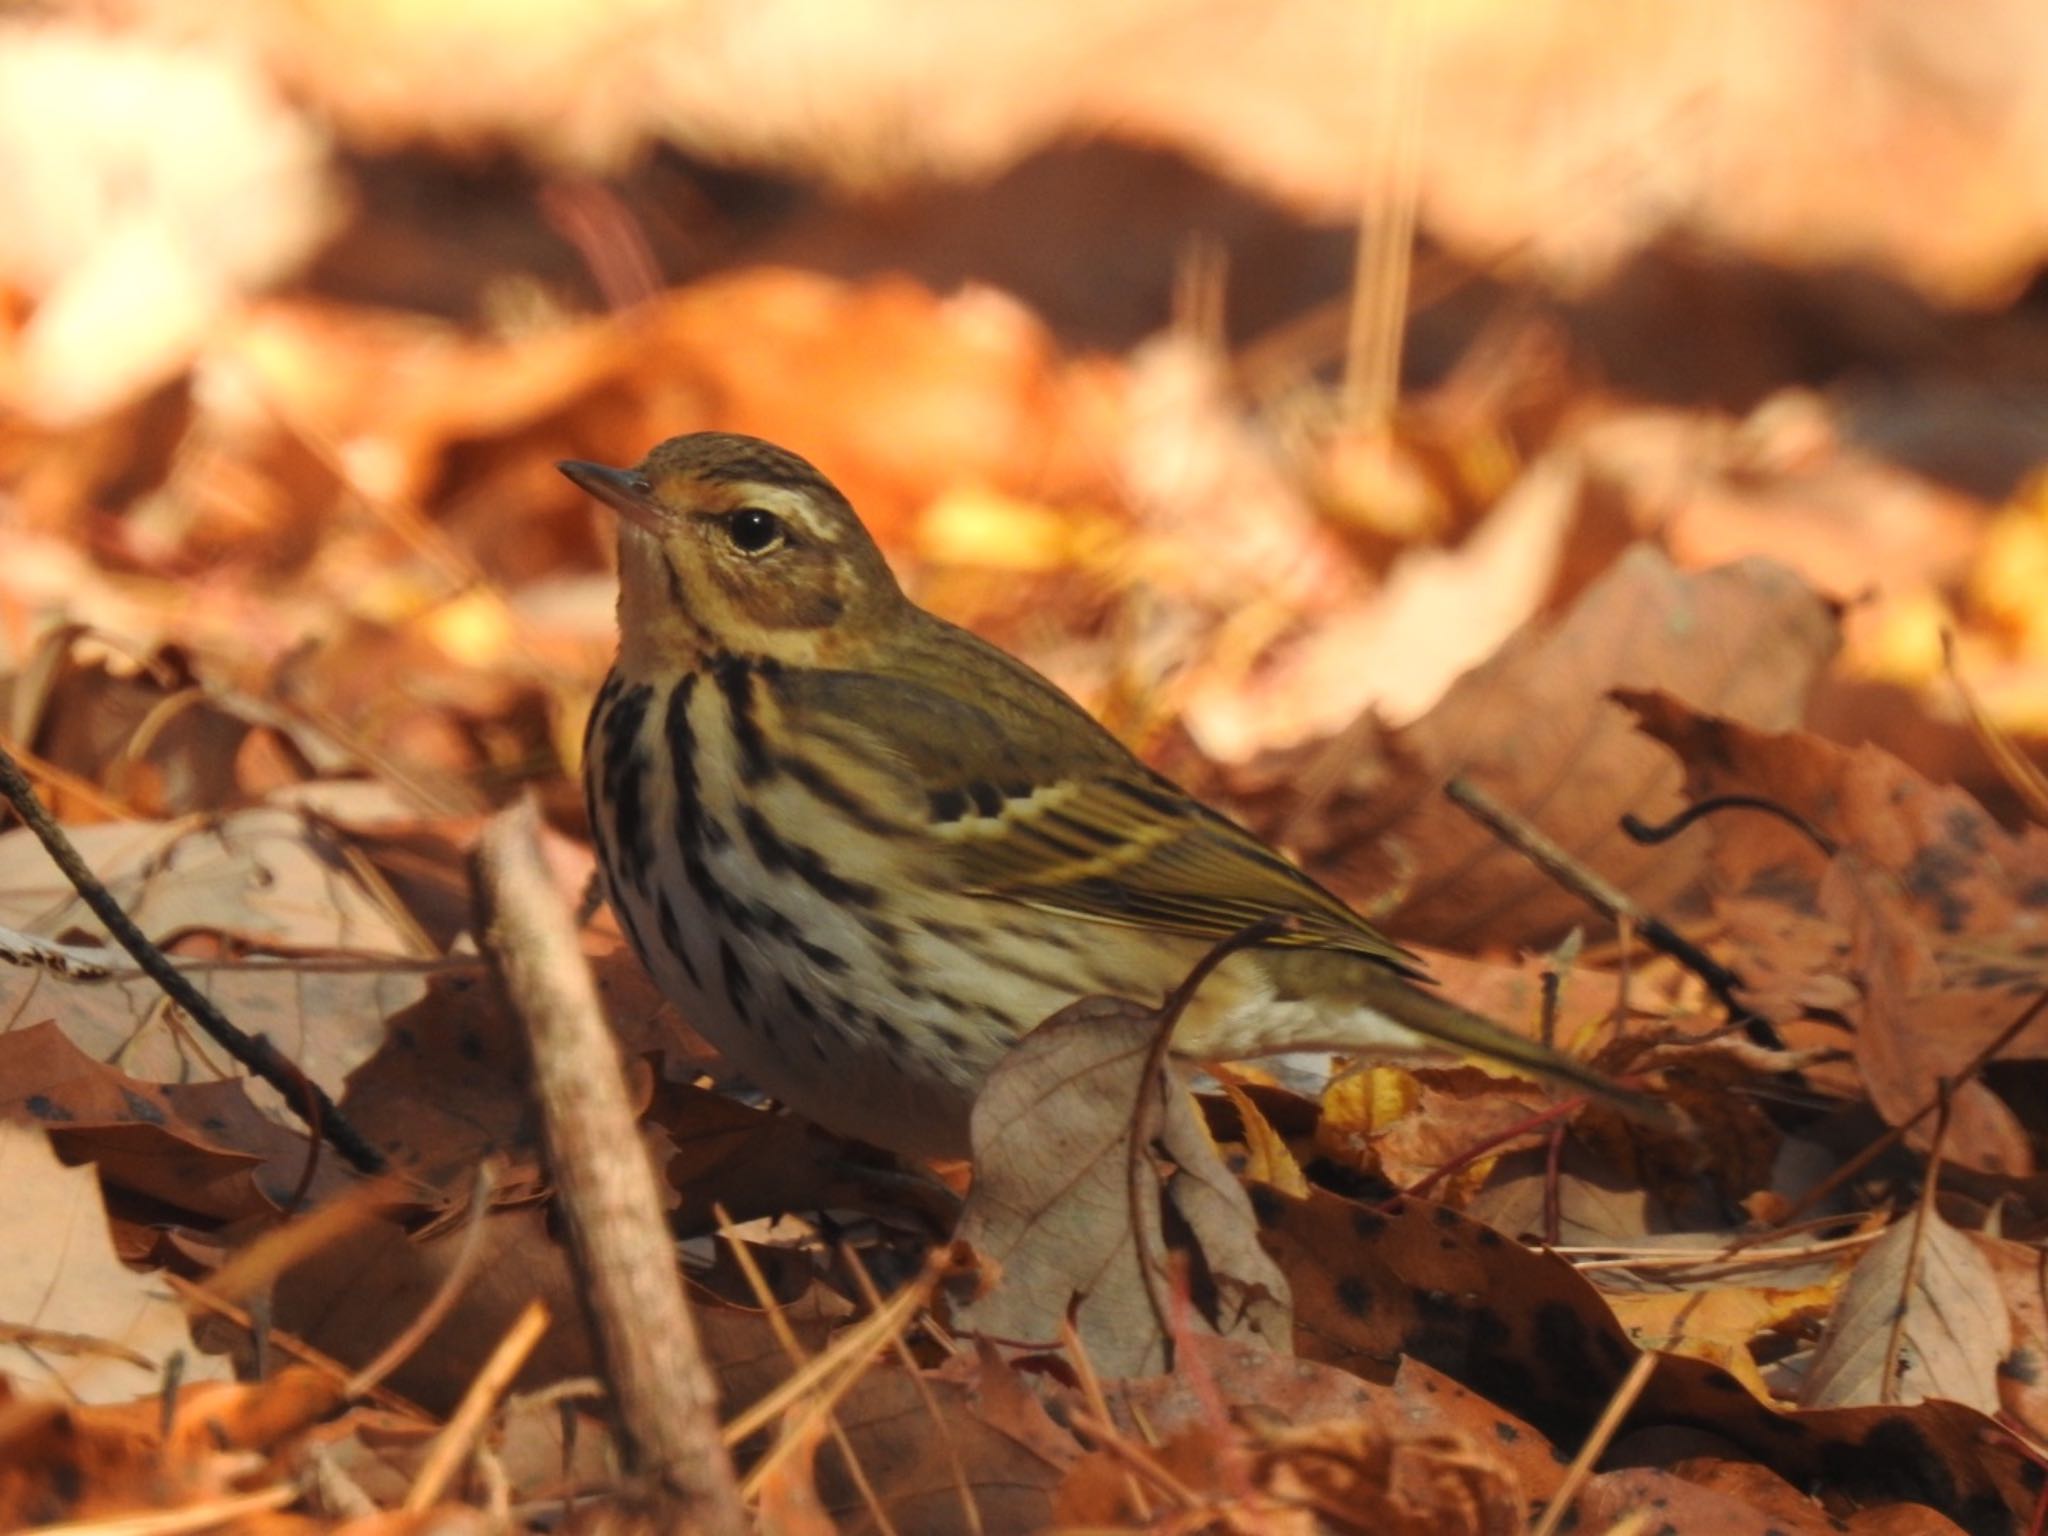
729 543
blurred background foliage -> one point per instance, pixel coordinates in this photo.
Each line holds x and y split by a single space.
1248 366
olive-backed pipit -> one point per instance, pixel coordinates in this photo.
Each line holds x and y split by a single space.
864 850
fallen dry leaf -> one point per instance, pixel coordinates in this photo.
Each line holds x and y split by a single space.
1534 727
154 183
138 1135
352 1300
1935 916
974 1433
1921 1316
1418 1280
1560 141
84 1462
1686 1507
79 1324
2021 1271
1284 1394
1052 1204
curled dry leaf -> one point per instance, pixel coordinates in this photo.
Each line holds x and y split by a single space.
2021 1271
1052 1206
1936 1294
142 1136
86 1463
1531 1335
1934 916
1534 726
1274 1399
1370 1474
1403 1483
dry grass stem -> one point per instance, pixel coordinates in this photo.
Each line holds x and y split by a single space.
449 1449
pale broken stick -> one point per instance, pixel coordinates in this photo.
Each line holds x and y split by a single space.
664 1400
306 1098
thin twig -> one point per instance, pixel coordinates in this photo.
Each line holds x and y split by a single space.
1098 1404
72 784
1553 1186
305 1097
1108 1437
254 1266
847 1356
1675 1268
2019 771
1575 1476
663 1395
822 1399
1381 276
197 1297
1606 897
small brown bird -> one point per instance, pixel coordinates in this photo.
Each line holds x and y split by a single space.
864 851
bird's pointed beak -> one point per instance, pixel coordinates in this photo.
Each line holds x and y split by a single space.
625 491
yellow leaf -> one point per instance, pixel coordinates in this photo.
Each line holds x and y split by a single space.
1272 1161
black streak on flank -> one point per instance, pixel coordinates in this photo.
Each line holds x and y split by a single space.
759 914
598 706
682 748
593 768
672 937
735 678
777 854
739 986
891 1035
693 830
632 849
807 1014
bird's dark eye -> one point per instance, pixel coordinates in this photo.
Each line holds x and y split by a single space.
754 532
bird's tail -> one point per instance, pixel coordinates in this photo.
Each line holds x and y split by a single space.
1466 1033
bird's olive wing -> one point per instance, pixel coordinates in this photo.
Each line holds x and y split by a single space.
1023 797
1125 847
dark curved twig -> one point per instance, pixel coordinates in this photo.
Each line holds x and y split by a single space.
1148 1113
305 1097
1663 831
